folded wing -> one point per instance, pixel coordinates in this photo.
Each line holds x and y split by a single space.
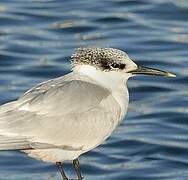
62 112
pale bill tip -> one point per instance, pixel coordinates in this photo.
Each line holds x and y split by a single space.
170 74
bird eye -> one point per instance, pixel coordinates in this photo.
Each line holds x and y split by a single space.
114 66
122 66
117 66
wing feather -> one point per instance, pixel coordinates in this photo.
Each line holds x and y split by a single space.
62 112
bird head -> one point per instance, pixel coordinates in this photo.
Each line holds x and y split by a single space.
113 60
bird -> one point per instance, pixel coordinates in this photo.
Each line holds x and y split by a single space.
62 118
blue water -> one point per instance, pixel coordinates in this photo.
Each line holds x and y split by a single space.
37 38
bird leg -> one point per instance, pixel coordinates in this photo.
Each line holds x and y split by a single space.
61 170
76 165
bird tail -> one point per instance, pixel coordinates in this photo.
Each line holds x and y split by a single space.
13 143
9 141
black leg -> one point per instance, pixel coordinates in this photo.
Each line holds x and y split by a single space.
61 170
76 165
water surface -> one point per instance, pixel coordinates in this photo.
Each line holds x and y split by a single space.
37 38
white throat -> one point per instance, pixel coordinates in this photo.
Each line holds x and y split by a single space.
108 79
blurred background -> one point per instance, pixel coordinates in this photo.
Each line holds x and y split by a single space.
37 38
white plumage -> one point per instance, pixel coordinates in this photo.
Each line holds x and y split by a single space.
62 118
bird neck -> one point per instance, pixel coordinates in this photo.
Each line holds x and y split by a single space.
111 80
115 82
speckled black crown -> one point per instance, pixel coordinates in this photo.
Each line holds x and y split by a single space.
105 58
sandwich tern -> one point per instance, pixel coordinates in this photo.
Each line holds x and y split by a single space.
62 118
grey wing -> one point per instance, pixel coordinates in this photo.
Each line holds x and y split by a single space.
52 114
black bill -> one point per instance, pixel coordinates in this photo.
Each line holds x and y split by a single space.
151 71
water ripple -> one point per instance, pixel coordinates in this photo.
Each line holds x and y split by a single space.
36 41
